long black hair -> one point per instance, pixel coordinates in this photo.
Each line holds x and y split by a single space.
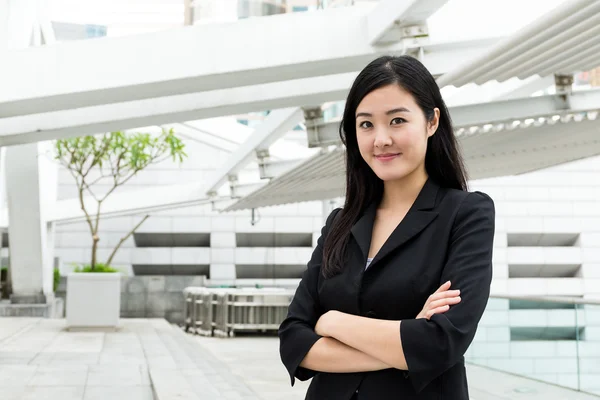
443 161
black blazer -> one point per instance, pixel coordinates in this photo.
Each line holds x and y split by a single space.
446 235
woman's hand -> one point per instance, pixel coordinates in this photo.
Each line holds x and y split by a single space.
440 301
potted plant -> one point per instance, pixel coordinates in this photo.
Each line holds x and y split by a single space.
94 290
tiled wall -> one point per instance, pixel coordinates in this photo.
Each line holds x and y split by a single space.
552 206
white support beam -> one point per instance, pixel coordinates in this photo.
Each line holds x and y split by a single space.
326 134
165 110
240 190
200 136
528 87
509 110
273 127
323 134
135 202
172 109
258 50
273 169
387 21
229 131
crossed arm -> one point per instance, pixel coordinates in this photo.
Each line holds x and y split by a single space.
371 344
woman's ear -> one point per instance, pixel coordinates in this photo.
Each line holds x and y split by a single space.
434 123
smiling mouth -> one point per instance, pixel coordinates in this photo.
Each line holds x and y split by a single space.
387 157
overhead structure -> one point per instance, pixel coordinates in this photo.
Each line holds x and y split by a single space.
527 88
294 72
257 146
492 152
507 112
551 130
213 103
254 55
320 177
393 20
562 42
137 202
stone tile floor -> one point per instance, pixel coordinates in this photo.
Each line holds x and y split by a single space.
149 359
256 359
143 360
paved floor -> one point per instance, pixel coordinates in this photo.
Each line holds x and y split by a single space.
149 359
256 361
143 360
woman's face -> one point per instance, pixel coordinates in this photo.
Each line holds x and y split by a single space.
392 132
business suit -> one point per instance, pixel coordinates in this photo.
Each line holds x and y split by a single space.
446 235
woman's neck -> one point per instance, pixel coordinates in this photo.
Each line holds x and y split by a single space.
401 194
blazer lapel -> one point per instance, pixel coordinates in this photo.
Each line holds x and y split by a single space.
412 224
418 217
363 229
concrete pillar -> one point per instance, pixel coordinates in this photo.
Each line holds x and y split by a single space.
31 191
31 177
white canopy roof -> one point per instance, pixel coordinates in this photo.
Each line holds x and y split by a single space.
292 64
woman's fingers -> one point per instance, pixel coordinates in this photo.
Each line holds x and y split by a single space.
444 287
444 302
440 301
438 310
443 295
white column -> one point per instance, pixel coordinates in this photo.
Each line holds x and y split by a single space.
31 174
222 258
27 229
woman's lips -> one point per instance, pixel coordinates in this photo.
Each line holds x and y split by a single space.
387 156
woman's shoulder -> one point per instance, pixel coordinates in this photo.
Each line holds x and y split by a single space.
459 196
469 201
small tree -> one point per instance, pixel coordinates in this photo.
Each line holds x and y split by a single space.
115 158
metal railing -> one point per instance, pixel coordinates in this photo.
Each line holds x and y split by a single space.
223 312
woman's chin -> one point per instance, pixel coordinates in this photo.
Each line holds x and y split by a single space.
389 177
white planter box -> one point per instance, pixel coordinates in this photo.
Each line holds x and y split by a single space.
93 299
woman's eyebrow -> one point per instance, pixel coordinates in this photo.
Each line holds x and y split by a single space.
390 112
398 110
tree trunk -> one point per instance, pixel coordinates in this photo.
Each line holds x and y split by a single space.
123 239
95 239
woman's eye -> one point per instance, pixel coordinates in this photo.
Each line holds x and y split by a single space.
397 121
365 124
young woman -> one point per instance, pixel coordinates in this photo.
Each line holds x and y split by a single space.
401 274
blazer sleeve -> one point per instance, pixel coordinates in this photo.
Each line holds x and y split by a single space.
296 332
433 346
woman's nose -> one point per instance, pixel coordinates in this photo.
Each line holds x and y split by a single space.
382 138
